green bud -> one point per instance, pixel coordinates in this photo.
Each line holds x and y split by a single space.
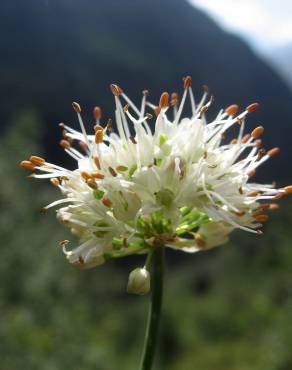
139 281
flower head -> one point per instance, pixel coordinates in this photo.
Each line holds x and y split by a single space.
175 181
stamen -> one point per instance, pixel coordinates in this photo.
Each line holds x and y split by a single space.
206 89
273 152
157 110
261 218
98 175
122 168
288 189
109 125
279 196
251 173
38 161
76 107
92 184
27 165
201 243
116 90
261 154
143 103
164 100
257 132
64 243
106 202
253 194
187 82
97 162
252 107
174 99
86 176
65 144
81 260
98 135
232 110
258 143
97 113
83 145
126 108
245 138
112 171
55 181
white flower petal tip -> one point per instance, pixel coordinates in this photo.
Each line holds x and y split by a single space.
176 181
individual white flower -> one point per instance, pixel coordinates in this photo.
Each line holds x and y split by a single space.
176 182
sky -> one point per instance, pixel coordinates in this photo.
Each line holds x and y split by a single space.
265 24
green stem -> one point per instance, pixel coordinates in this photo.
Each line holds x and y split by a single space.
151 335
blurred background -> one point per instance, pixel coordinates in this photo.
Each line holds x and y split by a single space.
226 309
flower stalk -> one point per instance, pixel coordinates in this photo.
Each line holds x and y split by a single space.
157 267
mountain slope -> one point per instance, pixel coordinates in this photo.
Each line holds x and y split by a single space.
59 51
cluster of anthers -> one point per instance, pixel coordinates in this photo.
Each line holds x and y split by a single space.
177 183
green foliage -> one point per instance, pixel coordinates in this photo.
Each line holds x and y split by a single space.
228 308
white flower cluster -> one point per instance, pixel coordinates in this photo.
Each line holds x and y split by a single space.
175 182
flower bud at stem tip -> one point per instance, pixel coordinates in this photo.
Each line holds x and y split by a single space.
139 281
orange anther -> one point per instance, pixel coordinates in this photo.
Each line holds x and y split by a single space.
253 194
121 168
187 82
112 171
98 175
27 165
116 90
164 100
97 162
76 107
85 175
65 144
251 173
199 240
174 99
126 108
252 107
245 138
273 152
54 181
232 110
92 184
106 202
37 161
261 217
288 189
98 136
97 113
257 132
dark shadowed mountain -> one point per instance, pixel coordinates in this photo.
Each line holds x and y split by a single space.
56 51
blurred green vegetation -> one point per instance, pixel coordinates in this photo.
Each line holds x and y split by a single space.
226 309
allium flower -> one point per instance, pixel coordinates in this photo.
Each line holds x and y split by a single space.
174 182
